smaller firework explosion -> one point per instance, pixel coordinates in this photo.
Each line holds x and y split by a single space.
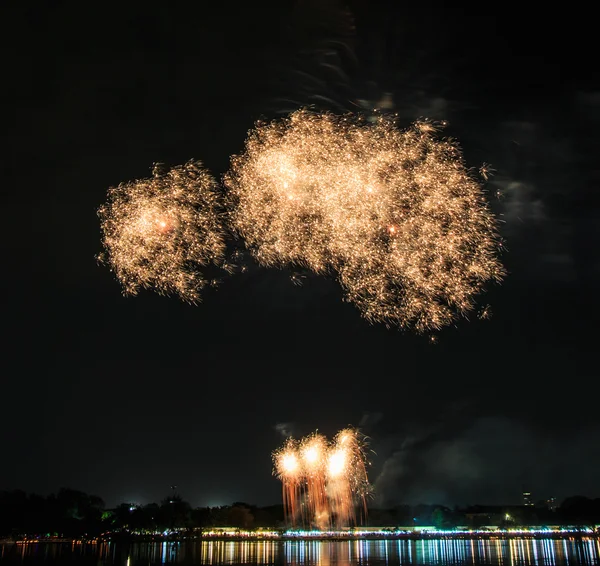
323 482
158 231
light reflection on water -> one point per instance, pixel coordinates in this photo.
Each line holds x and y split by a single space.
448 552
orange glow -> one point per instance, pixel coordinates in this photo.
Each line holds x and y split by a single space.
395 214
323 481
158 232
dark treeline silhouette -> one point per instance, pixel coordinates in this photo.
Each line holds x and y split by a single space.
575 510
74 514
69 512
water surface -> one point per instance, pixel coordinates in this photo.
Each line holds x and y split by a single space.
447 552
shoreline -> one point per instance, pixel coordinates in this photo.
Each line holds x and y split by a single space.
326 537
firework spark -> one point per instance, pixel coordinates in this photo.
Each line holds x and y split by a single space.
158 231
395 214
486 171
313 450
288 470
323 482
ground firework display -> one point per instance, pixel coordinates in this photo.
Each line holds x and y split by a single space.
394 214
323 482
158 231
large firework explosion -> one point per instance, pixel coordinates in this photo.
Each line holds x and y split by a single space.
394 214
323 482
158 231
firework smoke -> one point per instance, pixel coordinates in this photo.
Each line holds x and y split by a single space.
158 231
323 482
393 213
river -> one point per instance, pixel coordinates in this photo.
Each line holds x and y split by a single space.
443 552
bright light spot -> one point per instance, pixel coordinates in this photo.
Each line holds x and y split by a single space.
290 463
337 463
311 454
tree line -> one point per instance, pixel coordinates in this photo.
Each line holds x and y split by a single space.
72 513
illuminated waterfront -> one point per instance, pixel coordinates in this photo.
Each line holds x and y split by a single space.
501 552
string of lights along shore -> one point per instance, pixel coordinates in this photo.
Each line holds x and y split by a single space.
394 215
323 482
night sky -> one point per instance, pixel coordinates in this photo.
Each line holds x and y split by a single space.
125 397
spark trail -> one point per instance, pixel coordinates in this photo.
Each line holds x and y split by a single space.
323 482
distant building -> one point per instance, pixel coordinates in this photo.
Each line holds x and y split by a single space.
552 503
527 499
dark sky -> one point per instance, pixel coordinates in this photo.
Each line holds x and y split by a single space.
124 397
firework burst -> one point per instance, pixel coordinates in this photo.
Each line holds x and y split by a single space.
288 470
323 482
313 451
158 231
394 214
